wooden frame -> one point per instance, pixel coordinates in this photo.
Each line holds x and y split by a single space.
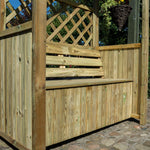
144 61
43 84
96 23
2 15
38 74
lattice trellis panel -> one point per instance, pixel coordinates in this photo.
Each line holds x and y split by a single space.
21 14
65 24
69 25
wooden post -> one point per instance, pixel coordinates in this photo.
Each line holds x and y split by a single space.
134 19
39 75
144 61
2 15
96 24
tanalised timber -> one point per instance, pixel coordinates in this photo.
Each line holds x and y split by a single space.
144 61
119 47
16 89
16 29
76 111
38 74
73 72
82 82
124 63
54 92
13 142
68 49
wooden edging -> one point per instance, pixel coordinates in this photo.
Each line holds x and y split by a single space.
12 141
101 48
17 29
135 116
119 47
77 5
82 82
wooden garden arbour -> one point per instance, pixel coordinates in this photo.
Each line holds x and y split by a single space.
35 113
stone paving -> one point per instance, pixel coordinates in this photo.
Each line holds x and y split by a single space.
127 135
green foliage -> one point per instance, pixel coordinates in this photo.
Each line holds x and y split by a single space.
105 10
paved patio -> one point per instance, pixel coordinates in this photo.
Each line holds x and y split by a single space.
127 135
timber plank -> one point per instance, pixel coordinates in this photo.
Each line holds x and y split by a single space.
67 49
89 110
136 82
56 60
17 29
82 82
3 85
72 72
99 107
119 47
13 88
83 111
28 89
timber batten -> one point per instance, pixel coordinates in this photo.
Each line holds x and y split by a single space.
82 82
54 91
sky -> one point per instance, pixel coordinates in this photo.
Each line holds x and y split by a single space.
15 3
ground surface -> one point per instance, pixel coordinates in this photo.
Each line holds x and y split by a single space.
127 135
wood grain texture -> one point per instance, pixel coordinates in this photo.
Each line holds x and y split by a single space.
68 49
2 15
38 74
16 29
56 84
144 61
73 72
119 47
74 111
56 60
124 64
16 97
72 61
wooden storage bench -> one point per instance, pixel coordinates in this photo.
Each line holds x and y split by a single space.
52 91
84 106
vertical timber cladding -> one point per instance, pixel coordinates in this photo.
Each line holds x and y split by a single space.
72 112
16 88
124 64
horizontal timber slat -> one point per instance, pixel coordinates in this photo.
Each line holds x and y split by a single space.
72 72
16 29
82 82
56 60
55 48
118 47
